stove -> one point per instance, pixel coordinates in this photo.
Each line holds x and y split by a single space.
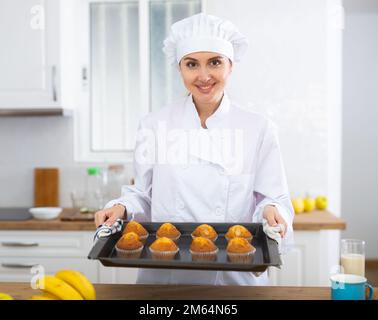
14 214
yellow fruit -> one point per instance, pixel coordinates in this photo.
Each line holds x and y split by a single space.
321 202
309 204
58 288
298 205
5 296
44 296
78 281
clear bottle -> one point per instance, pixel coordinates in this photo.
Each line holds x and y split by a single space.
116 179
94 194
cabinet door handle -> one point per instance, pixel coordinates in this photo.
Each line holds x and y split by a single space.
19 244
18 265
53 83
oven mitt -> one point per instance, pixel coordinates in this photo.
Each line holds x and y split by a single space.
105 231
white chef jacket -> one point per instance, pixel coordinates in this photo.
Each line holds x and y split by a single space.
207 187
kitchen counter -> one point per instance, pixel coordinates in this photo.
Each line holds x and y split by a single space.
185 292
316 220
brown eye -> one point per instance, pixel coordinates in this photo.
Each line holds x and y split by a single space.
191 64
215 62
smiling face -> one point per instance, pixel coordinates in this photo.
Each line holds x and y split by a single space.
205 75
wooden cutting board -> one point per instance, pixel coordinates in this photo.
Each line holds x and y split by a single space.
75 215
46 187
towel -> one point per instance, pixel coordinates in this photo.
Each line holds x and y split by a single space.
105 231
274 232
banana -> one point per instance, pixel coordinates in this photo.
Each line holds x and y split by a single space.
44 296
5 296
58 288
78 281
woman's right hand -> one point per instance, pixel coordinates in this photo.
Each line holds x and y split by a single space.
110 215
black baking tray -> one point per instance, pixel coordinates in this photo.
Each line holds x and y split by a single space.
266 254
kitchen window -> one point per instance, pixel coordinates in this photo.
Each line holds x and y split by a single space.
124 72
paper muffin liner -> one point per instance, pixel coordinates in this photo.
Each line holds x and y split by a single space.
129 254
143 238
163 255
249 239
212 239
175 240
241 257
204 256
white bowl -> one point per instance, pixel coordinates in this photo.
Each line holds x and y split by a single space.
45 213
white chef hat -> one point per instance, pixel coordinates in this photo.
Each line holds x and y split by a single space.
202 32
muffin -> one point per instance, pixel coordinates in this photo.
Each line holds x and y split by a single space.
206 231
163 249
238 231
168 230
134 226
129 246
239 250
203 249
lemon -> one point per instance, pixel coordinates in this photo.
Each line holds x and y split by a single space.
308 204
321 202
298 205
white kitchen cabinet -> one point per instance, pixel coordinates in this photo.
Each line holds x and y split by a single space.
117 275
45 243
23 269
52 250
310 262
20 251
35 59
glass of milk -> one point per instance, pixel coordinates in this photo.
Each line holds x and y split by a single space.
352 252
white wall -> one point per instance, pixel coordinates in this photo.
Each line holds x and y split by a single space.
360 117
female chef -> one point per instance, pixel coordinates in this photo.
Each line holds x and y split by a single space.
202 158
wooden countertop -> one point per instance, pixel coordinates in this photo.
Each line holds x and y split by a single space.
186 292
48 225
316 220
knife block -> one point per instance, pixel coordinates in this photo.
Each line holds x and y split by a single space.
46 187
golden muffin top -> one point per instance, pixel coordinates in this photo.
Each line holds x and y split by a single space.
239 245
134 226
206 231
168 230
201 244
238 231
129 241
163 244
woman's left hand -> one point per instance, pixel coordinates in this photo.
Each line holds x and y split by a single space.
274 218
